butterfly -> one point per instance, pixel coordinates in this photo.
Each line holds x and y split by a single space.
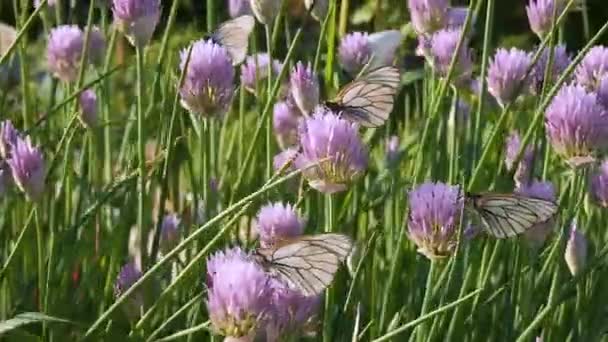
368 99
507 215
233 35
307 263
383 44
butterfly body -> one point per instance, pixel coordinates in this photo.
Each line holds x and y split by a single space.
507 215
307 263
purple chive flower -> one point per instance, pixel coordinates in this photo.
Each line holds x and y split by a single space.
169 232
5 178
137 19
524 168
285 123
49 3
457 16
208 86
537 235
434 217
561 60
507 74
602 92
290 312
354 52
64 51
8 138
333 156
27 167
541 15
592 68
428 16
393 154
238 293
443 47
599 185
128 275
265 10
576 124
284 157
278 221
576 250
255 69
88 108
237 8
304 87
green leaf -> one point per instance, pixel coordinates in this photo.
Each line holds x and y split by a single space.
28 318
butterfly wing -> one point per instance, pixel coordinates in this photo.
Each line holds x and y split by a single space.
369 99
507 215
307 263
8 34
233 35
384 44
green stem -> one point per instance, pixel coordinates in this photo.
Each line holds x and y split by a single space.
422 332
141 154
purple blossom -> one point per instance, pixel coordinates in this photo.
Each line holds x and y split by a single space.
428 16
6 178
238 293
255 69
354 52
576 250
524 168
443 47
290 311
561 60
137 19
128 275
265 10
457 17
49 3
169 232
283 157
542 14
507 74
599 185
27 167
237 8
8 138
602 92
576 124
333 156
435 210
592 68
304 87
88 108
537 235
285 123
278 221
208 86
64 51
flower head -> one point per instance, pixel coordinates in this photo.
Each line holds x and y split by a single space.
137 19
560 61
537 235
64 51
428 16
285 123
128 275
169 232
333 156
443 47
304 87
289 312
576 250
602 92
524 168
354 52
599 185
434 217
278 221
255 70
284 157
457 17
27 167
507 74
236 8
88 108
265 10
592 68
208 86
8 138
542 14
239 293
576 124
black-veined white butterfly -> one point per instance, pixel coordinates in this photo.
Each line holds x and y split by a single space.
507 215
307 263
368 99
233 35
